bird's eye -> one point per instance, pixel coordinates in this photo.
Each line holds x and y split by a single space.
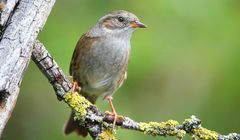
120 19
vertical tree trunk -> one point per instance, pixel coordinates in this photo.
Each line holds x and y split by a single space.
20 23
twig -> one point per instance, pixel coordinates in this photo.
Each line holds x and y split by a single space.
99 124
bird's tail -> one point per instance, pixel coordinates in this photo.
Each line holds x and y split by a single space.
73 126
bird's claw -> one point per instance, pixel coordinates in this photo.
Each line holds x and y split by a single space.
114 117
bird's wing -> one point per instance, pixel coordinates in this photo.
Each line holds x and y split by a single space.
85 42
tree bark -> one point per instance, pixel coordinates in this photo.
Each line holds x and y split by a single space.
21 22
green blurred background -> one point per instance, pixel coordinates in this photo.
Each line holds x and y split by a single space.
186 62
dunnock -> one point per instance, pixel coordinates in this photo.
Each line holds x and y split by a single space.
100 59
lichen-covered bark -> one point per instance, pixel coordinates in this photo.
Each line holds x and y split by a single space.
17 39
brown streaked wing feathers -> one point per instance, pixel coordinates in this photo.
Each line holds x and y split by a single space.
85 42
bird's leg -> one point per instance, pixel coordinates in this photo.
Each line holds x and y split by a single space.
113 113
75 86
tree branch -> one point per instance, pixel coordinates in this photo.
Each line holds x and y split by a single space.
99 124
23 20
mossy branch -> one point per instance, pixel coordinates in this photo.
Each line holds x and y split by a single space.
99 124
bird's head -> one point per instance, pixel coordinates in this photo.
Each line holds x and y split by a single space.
119 23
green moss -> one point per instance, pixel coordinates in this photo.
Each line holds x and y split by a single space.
106 135
205 134
78 103
167 128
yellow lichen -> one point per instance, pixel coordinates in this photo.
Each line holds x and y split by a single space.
205 134
181 133
78 103
162 128
187 120
106 135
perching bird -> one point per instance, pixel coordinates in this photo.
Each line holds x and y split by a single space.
100 59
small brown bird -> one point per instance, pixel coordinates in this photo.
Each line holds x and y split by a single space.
100 59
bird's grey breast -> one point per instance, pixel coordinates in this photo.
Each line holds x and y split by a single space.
106 61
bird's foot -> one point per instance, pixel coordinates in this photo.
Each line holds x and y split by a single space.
75 87
114 116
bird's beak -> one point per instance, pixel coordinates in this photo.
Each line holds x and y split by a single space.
137 24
